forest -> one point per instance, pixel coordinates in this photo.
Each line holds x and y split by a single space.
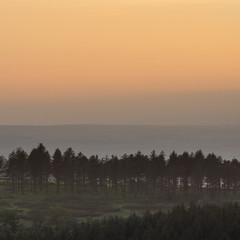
186 223
71 196
190 175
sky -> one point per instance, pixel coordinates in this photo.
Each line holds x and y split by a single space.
119 62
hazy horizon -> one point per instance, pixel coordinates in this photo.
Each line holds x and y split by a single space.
189 108
119 125
110 140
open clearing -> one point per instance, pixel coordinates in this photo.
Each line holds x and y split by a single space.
37 206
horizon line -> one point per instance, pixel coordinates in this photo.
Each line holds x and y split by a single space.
119 124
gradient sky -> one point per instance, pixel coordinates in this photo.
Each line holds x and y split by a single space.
119 61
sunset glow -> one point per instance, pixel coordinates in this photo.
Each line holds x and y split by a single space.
81 50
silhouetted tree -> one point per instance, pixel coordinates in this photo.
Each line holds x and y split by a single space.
185 168
81 169
157 169
39 167
57 167
173 172
69 162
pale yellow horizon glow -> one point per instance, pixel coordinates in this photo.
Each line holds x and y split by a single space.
53 50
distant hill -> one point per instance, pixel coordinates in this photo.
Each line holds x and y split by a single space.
119 139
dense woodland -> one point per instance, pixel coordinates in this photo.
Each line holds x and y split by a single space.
181 223
188 174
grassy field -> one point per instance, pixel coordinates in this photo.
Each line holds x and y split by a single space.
40 206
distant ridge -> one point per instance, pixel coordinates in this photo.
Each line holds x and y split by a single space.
119 139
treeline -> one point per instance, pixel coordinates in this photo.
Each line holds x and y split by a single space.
181 223
135 174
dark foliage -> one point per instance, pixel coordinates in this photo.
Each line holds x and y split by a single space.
181 223
189 174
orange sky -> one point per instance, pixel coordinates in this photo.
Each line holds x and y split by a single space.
80 50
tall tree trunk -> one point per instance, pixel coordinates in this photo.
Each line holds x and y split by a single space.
46 182
58 185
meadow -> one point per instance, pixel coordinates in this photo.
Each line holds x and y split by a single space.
40 207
